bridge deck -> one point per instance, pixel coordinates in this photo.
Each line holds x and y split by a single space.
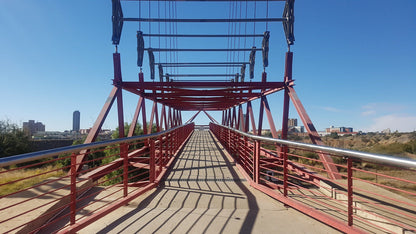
205 193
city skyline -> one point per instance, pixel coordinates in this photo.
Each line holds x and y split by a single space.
350 70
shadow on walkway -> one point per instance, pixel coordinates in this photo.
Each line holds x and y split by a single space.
202 193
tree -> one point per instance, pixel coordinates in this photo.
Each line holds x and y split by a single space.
13 140
334 135
137 131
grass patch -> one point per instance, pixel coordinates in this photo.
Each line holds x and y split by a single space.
20 174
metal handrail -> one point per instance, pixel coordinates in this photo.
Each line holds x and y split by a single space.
21 158
377 158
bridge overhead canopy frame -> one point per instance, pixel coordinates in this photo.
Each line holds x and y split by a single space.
208 93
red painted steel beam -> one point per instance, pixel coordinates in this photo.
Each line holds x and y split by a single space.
136 116
313 134
163 119
92 135
270 117
200 84
152 117
197 99
210 117
286 99
203 93
193 117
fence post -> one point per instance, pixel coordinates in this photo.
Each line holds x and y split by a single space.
350 191
285 176
161 158
256 168
73 203
152 170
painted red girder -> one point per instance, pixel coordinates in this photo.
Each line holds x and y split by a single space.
200 84
203 95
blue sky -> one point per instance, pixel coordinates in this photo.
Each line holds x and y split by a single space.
354 61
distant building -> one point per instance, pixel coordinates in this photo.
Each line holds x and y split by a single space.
292 123
297 129
76 121
386 131
339 129
32 127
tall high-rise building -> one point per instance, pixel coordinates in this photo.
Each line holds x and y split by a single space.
76 121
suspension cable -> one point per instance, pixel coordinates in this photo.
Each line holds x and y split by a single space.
267 15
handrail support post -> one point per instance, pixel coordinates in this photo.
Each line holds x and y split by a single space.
350 191
73 204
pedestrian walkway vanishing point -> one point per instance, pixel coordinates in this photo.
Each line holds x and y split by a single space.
204 193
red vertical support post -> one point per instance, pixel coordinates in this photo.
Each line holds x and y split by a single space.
152 117
247 120
118 83
144 117
137 112
178 115
229 117
240 125
173 117
286 99
73 206
123 147
223 118
350 191
250 113
260 126
234 120
152 165
170 118
163 118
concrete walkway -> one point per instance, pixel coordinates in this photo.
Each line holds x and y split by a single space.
204 193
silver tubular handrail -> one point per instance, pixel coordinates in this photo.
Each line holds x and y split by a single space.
21 158
376 158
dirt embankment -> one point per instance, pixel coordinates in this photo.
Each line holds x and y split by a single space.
397 144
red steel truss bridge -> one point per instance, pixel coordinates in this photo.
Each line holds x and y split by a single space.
224 176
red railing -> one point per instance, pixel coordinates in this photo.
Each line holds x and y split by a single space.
43 191
377 192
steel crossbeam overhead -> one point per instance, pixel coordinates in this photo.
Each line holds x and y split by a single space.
157 20
202 35
210 0
200 75
204 84
203 95
207 64
201 50
203 63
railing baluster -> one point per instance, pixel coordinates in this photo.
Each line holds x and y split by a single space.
350 191
123 154
152 171
285 170
256 160
73 205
